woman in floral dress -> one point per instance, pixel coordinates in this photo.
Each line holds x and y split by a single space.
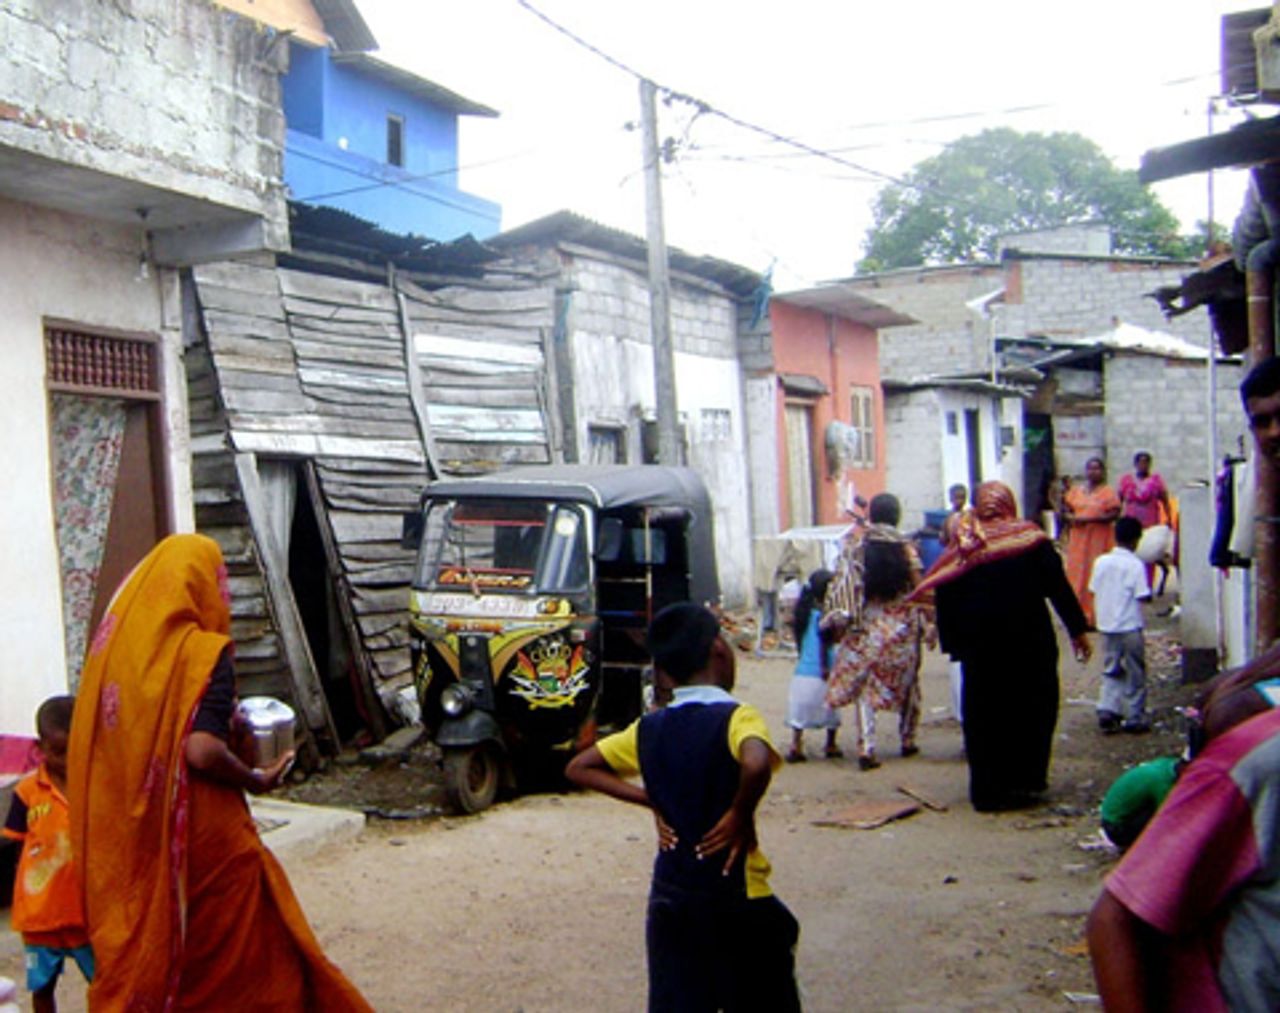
877 662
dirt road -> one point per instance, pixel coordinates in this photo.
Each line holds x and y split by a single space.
539 903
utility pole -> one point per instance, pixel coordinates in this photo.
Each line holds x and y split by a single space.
664 363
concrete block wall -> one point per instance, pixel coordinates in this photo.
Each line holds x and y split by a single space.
913 452
1084 237
179 94
1076 297
755 344
1160 405
950 337
612 299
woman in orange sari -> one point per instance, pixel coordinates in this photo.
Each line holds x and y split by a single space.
1090 511
186 908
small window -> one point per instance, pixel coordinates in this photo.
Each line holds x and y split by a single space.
953 424
606 445
395 140
863 419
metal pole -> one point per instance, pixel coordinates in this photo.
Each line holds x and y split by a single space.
664 366
1219 614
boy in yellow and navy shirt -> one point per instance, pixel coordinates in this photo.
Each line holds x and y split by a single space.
46 895
716 936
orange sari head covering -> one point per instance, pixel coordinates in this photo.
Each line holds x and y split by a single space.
990 532
148 667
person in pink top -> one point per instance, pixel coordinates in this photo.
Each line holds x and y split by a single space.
1143 494
1189 918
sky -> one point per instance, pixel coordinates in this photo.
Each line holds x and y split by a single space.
877 85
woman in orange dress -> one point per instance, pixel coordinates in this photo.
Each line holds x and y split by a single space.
186 908
1090 511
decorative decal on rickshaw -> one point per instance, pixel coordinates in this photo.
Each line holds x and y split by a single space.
454 576
550 673
444 607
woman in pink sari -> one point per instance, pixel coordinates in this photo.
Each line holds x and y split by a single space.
1090 511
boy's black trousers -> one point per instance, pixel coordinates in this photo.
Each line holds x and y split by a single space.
710 952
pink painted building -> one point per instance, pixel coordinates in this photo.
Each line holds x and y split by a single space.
820 399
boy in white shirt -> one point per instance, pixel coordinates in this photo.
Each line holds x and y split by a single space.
1119 585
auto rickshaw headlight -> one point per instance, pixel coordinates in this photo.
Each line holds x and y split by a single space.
455 700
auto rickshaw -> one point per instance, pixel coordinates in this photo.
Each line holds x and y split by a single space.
531 596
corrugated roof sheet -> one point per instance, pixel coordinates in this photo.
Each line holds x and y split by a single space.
331 230
345 25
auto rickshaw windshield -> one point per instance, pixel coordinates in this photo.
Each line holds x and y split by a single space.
508 546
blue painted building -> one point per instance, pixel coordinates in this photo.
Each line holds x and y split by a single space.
381 143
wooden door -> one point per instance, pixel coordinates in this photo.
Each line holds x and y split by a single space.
138 517
800 499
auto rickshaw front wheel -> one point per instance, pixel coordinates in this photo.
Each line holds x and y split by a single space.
471 775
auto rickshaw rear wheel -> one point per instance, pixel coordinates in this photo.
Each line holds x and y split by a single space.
471 776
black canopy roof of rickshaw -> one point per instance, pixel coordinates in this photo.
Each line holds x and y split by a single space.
602 485
608 487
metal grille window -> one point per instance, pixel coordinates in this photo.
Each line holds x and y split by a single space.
863 419
85 362
717 425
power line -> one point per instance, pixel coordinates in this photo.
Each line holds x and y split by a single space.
398 183
805 148
707 109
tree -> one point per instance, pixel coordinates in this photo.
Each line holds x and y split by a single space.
952 207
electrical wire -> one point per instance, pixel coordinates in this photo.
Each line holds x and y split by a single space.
398 183
705 108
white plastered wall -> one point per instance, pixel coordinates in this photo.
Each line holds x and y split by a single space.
1002 462
614 383
60 266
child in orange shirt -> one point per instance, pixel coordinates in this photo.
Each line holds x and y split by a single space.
46 896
